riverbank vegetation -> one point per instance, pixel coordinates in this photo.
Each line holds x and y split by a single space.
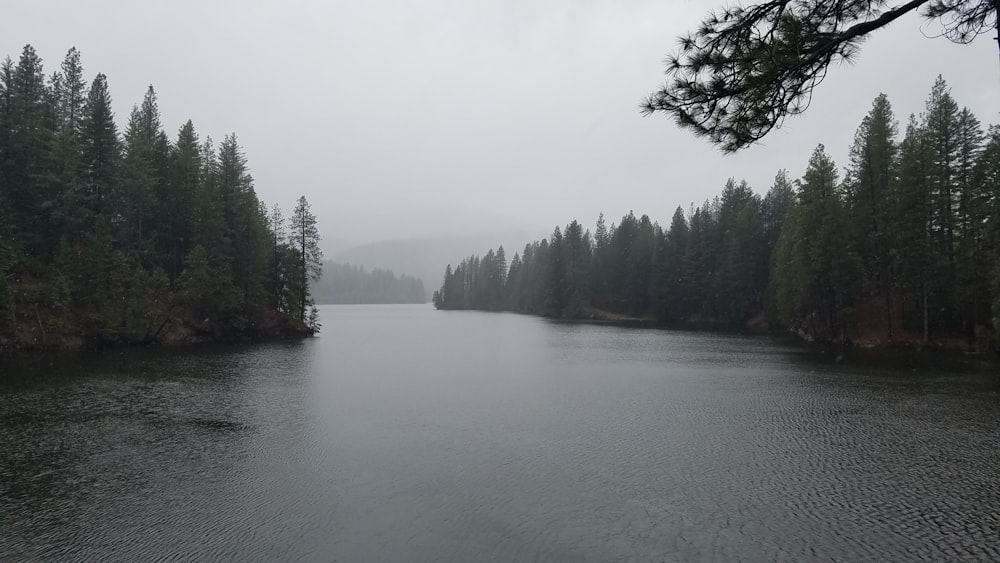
349 284
122 236
901 250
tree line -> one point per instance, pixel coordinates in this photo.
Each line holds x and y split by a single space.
349 284
904 248
111 236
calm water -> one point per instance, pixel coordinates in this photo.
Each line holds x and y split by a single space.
406 434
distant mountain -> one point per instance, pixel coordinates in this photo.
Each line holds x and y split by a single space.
426 258
349 284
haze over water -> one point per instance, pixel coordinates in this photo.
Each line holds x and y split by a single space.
406 434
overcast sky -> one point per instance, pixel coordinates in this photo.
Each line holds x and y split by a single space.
389 116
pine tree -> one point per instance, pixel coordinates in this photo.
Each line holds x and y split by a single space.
557 294
915 257
501 260
873 159
100 147
143 176
942 128
576 257
973 215
662 269
675 284
514 284
777 207
180 206
277 283
779 200
987 176
211 231
699 260
71 214
740 279
244 224
441 296
28 152
819 268
601 263
304 237
73 96
543 287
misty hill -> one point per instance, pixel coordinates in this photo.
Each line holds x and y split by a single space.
426 258
349 284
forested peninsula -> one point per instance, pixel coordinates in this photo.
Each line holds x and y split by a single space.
903 251
112 237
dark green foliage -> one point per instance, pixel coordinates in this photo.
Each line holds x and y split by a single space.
777 205
206 293
672 287
7 308
746 68
100 150
303 237
905 249
869 201
915 261
741 278
178 220
107 239
986 174
577 251
973 214
70 213
29 129
818 269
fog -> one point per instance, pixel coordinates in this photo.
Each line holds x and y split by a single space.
452 119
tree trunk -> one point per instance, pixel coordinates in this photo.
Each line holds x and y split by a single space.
41 326
926 317
302 290
888 307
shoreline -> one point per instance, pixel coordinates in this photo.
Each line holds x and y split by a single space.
27 343
950 345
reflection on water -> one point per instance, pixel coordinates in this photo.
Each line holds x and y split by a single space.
407 434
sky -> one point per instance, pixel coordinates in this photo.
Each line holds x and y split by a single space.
401 119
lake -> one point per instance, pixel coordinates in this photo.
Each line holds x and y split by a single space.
402 433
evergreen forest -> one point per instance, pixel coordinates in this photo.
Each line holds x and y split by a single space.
349 284
123 236
902 248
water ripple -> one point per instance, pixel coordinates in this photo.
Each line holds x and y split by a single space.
408 435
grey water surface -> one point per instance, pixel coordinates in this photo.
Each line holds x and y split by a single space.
407 434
